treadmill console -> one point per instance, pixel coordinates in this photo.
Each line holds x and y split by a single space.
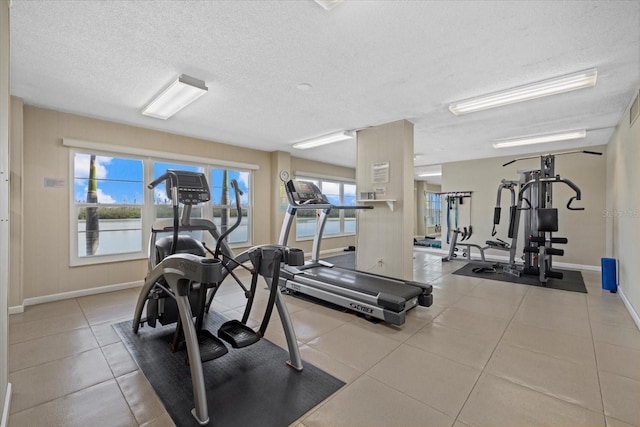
193 187
305 193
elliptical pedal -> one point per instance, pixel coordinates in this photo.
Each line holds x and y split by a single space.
210 346
237 334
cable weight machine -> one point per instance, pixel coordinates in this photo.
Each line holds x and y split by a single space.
534 205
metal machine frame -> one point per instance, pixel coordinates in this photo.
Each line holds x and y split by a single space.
376 296
178 275
535 188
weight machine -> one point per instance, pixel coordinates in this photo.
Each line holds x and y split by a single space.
540 217
531 203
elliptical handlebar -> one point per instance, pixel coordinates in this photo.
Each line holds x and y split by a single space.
168 174
237 192
236 188
173 177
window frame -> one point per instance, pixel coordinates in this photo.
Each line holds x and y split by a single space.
232 206
433 209
333 180
74 258
147 208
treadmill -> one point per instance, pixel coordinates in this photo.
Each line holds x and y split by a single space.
372 295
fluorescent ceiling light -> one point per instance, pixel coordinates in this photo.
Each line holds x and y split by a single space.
178 95
422 175
328 4
569 82
325 139
539 139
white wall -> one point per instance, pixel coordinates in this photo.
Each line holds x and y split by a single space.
16 196
623 208
4 199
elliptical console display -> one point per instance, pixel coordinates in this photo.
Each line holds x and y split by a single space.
192 187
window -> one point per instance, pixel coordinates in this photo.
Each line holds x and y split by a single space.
340 221
108 200
433 209
223 201
349 199
306 220
112 209
162 202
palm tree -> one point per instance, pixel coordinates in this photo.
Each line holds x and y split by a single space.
224 201
92 225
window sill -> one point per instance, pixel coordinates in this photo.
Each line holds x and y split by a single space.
330 236
106 259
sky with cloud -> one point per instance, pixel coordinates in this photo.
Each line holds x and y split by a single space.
120 180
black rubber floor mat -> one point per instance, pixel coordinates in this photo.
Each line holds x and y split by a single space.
250 386
572 280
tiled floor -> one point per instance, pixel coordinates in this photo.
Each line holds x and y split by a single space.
486 353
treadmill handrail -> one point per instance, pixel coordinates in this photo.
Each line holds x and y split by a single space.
352 207
321 206
309 205
312 203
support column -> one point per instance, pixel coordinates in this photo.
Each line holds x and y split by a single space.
5 387
16 225
385 167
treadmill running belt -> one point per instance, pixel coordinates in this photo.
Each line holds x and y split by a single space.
362 282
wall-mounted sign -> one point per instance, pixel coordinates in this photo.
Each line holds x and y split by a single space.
54 183
380 172
380 191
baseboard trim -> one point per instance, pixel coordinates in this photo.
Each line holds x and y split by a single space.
16 309
630 308
578 266
5 409
435 251
327 252
74 294
498 258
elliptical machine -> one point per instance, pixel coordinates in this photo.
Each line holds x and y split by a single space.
181 274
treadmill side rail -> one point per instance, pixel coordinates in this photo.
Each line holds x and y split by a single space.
324 292
392 302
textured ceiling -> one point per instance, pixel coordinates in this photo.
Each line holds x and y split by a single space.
368 62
